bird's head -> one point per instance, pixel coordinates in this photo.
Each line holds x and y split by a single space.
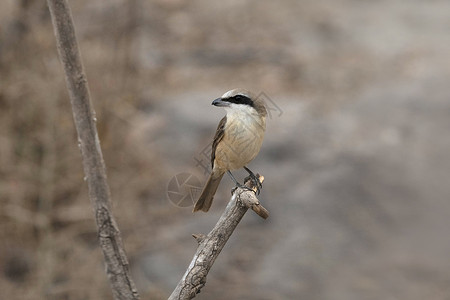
241 100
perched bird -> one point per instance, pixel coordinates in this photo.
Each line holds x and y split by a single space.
237 141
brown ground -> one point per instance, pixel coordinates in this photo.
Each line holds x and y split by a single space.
356 156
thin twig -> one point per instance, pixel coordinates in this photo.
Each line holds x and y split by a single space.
210 246
117 267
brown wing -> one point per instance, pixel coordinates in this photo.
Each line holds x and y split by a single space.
217 138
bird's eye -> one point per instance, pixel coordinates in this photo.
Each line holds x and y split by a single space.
241 99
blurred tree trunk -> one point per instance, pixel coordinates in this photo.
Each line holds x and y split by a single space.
117 267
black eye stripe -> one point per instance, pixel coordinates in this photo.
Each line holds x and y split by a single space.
240 99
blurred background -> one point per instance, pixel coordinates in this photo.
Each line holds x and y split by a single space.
356 155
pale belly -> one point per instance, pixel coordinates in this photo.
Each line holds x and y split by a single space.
239 146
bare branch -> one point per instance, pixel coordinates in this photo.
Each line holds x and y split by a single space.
117 267
210 246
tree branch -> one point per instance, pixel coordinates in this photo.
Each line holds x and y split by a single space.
210 246
117 267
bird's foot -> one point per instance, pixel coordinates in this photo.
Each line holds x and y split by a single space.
255 180
238 185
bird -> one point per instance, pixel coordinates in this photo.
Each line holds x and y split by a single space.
237 140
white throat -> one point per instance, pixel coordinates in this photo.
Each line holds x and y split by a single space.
246 115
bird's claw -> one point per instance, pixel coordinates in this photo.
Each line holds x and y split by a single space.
255 180
256 183
238 185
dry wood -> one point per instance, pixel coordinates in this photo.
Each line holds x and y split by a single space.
117 267
210 246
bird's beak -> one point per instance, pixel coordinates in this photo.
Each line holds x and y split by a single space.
219 102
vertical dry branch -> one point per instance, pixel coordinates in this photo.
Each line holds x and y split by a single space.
117 267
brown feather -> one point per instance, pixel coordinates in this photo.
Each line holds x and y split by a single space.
217 138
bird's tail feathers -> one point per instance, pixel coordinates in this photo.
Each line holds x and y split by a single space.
204 202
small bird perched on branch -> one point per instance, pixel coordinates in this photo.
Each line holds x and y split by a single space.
237 141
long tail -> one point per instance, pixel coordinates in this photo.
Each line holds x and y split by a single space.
206 198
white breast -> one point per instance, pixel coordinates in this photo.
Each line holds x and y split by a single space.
244 133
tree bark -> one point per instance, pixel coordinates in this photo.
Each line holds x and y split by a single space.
117 267
210 246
